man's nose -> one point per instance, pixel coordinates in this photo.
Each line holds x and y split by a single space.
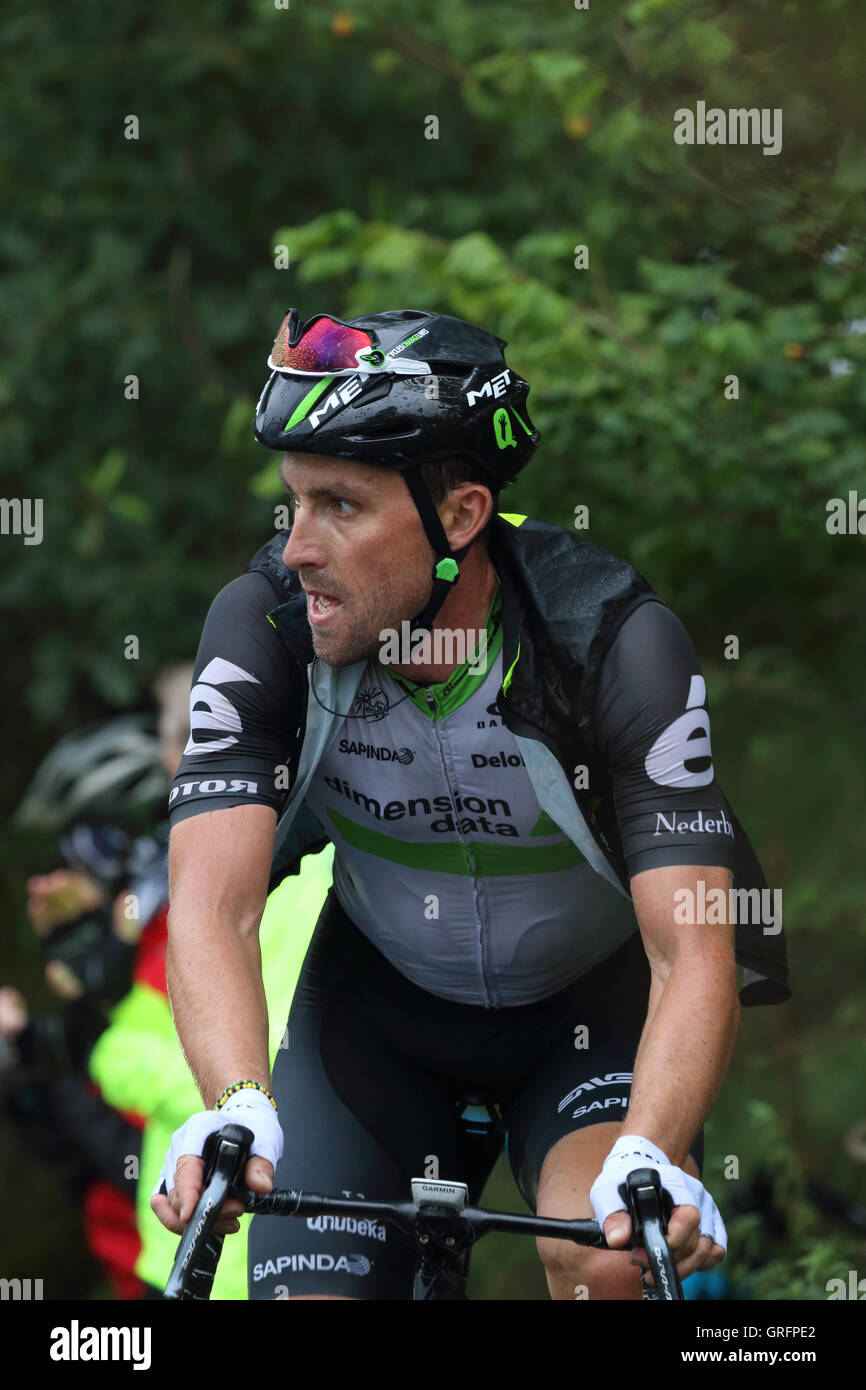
301 548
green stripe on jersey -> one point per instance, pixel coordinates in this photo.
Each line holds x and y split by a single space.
453 857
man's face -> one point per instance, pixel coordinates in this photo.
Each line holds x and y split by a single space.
360 551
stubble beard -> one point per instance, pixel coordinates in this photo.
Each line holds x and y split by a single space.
371 614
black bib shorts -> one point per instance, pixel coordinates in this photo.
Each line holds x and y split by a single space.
377 1074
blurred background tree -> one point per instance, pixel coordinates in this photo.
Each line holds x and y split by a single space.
263 134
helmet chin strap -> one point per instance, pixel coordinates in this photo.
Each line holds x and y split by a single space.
446 568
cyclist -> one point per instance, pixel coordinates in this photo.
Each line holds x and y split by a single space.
511 820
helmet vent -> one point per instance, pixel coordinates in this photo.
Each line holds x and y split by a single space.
381 432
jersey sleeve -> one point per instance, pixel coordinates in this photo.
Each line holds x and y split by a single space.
653 730
245 705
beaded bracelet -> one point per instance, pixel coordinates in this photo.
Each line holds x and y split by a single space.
244 1086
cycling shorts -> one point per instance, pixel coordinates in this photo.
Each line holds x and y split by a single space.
373 1078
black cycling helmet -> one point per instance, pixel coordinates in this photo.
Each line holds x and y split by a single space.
399 389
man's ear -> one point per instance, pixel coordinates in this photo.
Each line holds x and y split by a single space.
474 497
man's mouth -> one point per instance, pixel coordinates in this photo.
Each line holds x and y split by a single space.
321 606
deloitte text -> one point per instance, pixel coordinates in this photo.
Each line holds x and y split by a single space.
443 646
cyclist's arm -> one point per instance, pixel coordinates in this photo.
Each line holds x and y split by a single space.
653 728
223 807
693 1015
245 717
219 866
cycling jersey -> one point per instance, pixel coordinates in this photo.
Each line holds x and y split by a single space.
485 832
444 856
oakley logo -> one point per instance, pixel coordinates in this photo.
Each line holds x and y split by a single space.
341 396
210 710
490 723
681 755
494 387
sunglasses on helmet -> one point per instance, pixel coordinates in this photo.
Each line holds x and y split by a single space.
327 345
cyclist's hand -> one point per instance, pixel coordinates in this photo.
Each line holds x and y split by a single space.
13 1013
180 1182
62 981
59 896
696 1234
125 928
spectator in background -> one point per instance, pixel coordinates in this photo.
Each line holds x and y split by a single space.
138 1062
106 1080
88 916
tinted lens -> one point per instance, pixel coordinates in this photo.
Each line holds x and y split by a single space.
327 346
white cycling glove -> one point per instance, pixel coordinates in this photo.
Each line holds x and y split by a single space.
250 1108
631 1151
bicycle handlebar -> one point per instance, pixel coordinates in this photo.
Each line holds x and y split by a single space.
225 1156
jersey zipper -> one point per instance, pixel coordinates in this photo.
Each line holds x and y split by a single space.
431 702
